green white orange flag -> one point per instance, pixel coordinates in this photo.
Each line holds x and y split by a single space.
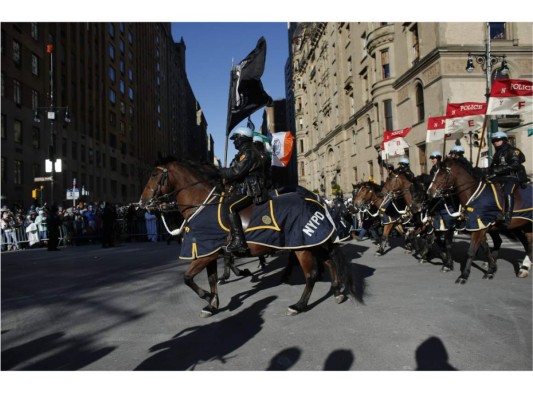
510 97
282 145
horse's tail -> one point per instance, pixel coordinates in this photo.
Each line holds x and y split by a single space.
350 276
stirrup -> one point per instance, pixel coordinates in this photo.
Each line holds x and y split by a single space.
236 247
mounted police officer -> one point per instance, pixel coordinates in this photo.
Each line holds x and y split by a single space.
403 166
458 152
260 145
246 175
436 158
507 168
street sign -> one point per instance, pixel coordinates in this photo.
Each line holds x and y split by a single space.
42 179
73 194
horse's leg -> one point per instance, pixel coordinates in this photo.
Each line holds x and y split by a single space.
336 286
476 239
492 254
427 244
384 239
212 307
262 262
196 267
291 262
308 264
526 238
445 250
228 264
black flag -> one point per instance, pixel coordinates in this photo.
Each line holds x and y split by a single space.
246 90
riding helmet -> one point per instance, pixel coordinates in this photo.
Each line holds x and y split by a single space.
242 131
498 135
404 161
436 154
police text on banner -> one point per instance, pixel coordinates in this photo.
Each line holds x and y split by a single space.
510 97
282 144
394 143
464 117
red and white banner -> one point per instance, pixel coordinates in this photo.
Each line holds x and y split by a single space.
435 129
464 117
282 144
510 97
394 143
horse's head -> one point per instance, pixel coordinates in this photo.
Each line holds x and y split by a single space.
157 186
364 194
444 181
397 186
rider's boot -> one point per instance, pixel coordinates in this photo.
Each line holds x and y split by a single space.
238 242
509 207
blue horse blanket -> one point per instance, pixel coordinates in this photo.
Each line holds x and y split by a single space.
288 221
483 210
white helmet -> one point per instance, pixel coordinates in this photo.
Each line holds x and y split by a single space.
457 149
404 160
242 131
498 135
258 139
436 154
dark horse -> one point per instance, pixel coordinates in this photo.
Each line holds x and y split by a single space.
368 198
193 187
458 177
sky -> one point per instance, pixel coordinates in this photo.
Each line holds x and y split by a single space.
211 48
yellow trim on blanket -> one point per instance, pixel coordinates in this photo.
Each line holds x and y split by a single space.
273 227
496 197
224 227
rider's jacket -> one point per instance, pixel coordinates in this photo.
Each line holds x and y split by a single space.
246 173
434 170
507 162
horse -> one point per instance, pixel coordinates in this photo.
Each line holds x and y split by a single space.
195 187
458 177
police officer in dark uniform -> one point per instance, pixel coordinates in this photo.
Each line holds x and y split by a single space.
403 166
507 168
259 144
246 176
436 158
458 152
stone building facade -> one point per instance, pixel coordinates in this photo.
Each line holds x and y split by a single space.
352 81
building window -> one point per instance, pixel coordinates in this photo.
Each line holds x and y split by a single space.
369 129
122 66
497 30
34 64
18 172
121 27
122 107
112 119
130 75
36 137
371 169
35 99
130 38
111 30
302 168
34 31
388 115
385 66
113 163
112 74
17 56
111 51
112 96
17 92
17 131
415 43
130 93
122 87
121 46
354 143
420 102
301 146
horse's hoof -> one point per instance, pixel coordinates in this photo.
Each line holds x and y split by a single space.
206 313
292 311
340 298
422 261
522 273
460 280
221 281
246 272
490 276
445 269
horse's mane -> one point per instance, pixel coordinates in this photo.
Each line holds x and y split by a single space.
477 173
421 183
203 169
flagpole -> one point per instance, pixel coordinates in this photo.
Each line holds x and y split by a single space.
228 119
444 141
482 139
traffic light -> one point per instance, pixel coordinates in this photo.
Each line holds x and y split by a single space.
34 194
475 139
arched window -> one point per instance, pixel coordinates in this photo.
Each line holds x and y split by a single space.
420 102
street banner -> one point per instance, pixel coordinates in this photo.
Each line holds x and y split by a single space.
394 143
510 97
282 145
464 117
435 129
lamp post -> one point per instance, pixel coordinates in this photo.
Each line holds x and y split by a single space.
52 164
487 61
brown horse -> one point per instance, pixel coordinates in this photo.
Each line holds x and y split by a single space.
458 177
193 187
